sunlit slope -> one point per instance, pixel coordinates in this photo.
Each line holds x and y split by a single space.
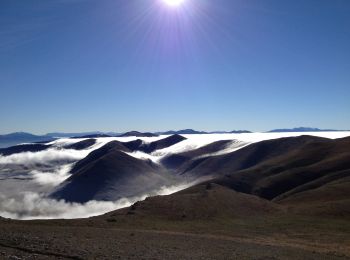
201 202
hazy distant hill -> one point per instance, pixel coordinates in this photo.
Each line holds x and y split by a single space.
240 132
21 137
182 132
137 134
81 135
301 129
191 131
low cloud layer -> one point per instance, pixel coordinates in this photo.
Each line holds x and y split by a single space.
43 157
31 205
27 177
51 178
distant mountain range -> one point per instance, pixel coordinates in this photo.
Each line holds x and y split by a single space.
21 137
83 134
302 129
191 131
11 139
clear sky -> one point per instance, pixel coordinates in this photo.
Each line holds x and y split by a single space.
118 65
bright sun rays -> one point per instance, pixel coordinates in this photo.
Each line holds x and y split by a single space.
173 3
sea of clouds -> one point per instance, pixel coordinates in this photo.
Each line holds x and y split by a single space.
32 205
26 178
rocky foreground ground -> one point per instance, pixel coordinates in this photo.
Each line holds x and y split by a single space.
159 228
37 241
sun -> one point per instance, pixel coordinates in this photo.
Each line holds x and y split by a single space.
173 3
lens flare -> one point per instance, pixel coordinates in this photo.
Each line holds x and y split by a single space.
173 2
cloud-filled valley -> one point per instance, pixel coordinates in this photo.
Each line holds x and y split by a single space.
38 184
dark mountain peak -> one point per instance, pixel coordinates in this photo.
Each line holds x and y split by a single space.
156 145
164 143
111 174
133 145
170 140
189 131
81 145
240 132
177 161
183 132
23 148
99 153
138 134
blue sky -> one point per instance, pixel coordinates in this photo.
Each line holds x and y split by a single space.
119 65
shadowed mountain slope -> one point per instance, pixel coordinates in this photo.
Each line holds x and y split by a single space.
81 145
112 176
108 173
139 145
310 161
23 148
177 161
307 175
98 154
248 156
329 199
312 178
136 145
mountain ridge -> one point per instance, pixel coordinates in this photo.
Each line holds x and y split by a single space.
7 140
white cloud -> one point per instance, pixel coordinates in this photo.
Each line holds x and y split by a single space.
51 178
28 204
42 157
31 205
